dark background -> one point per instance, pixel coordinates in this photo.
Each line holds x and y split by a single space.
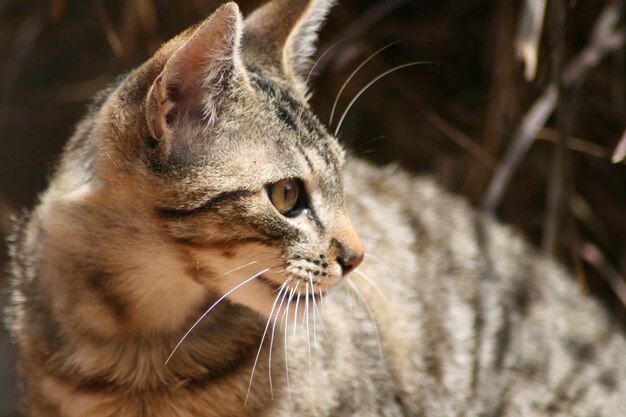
454 117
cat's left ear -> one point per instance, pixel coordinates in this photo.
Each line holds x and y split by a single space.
196 73
283 33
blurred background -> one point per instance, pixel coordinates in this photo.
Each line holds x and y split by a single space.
518 104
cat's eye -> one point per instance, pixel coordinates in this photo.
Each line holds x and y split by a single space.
286 196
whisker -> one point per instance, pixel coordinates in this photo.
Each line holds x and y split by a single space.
286 350
319 313
372 284
322 301
368 85
295 316
352 151
306 316
239 268
352 300
211 308
314 308
330 48
353 73
256 360
272 338
359 295
380 261
282 319
308 335
235 269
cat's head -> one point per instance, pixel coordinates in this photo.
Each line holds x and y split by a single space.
235 172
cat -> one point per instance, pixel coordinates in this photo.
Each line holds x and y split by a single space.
206 248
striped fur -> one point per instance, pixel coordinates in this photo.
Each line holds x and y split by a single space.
159 212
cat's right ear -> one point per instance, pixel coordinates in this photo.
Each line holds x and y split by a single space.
195 75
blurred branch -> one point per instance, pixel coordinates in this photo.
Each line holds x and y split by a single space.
57 10
574 144
147 15
575 253
72 92
534 119
455 135
594 256
358 27
441 124
529 35
620 150
107 26
556 187
140 18
606 37
586 214
27 34
619 73
502 95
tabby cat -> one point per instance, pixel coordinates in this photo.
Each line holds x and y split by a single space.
196 254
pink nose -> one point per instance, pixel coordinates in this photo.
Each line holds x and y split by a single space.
349 261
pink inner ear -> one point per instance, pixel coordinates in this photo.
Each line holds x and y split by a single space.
194 75
170 116
165 107
184 76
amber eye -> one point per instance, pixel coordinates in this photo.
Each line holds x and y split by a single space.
285 195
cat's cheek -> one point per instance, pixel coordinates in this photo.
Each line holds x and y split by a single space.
279 305
254 295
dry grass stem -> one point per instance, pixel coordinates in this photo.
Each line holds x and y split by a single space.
620 150
592 255
606 38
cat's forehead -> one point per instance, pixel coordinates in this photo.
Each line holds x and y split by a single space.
278 120
264 133
282 104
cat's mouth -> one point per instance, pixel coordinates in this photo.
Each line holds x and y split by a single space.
298 290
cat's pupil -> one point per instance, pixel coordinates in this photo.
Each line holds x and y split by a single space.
284 195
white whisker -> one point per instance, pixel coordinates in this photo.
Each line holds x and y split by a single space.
322 301
359 295
368 85
267 325
352 299
380 261
306 317
282 319
352 74
372 284
330 48
319 314
273 332
308 335
295 316
211 308
286 314
235 269
314 308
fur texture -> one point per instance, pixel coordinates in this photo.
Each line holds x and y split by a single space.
159 214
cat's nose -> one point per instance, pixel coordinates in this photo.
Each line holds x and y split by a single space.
347 247
349 260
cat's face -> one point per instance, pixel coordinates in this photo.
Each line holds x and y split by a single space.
249 182
265 194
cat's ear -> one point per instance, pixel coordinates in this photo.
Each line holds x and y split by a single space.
194 76
284 32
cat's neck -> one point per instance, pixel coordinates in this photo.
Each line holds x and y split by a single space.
220 351
224 342
102 349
